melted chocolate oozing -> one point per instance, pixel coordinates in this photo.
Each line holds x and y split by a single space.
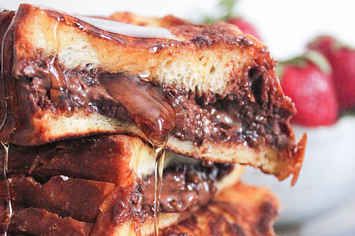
145 103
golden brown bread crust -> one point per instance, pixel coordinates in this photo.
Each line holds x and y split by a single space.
77 198
34 221
196 50
239 210
74 204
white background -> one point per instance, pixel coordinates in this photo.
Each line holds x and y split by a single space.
285 25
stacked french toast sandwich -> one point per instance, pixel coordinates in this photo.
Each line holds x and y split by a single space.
127 125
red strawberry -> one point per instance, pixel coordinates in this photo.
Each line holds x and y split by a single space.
310 87
244 26
342 60
228 7
323 44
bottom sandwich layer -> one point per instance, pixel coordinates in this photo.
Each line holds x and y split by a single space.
238 210
184 187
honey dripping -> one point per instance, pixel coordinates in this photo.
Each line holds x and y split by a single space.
158 182
153 115
5 193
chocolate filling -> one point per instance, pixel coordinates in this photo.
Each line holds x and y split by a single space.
145 104
245 117
183 187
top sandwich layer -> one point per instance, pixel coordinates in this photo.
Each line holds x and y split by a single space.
207 58
208 91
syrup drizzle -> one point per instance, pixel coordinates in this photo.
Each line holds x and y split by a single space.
158 182
152 114
8 210
7 215
8 206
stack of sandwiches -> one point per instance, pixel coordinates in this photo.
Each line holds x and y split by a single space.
128 125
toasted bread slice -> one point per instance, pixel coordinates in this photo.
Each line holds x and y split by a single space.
86 171
84 202
239 210
119 159
77 198
221 84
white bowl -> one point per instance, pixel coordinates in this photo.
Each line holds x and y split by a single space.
327 177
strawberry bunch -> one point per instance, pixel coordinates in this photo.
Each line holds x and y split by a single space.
245 26
307 80
321 82
342 61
